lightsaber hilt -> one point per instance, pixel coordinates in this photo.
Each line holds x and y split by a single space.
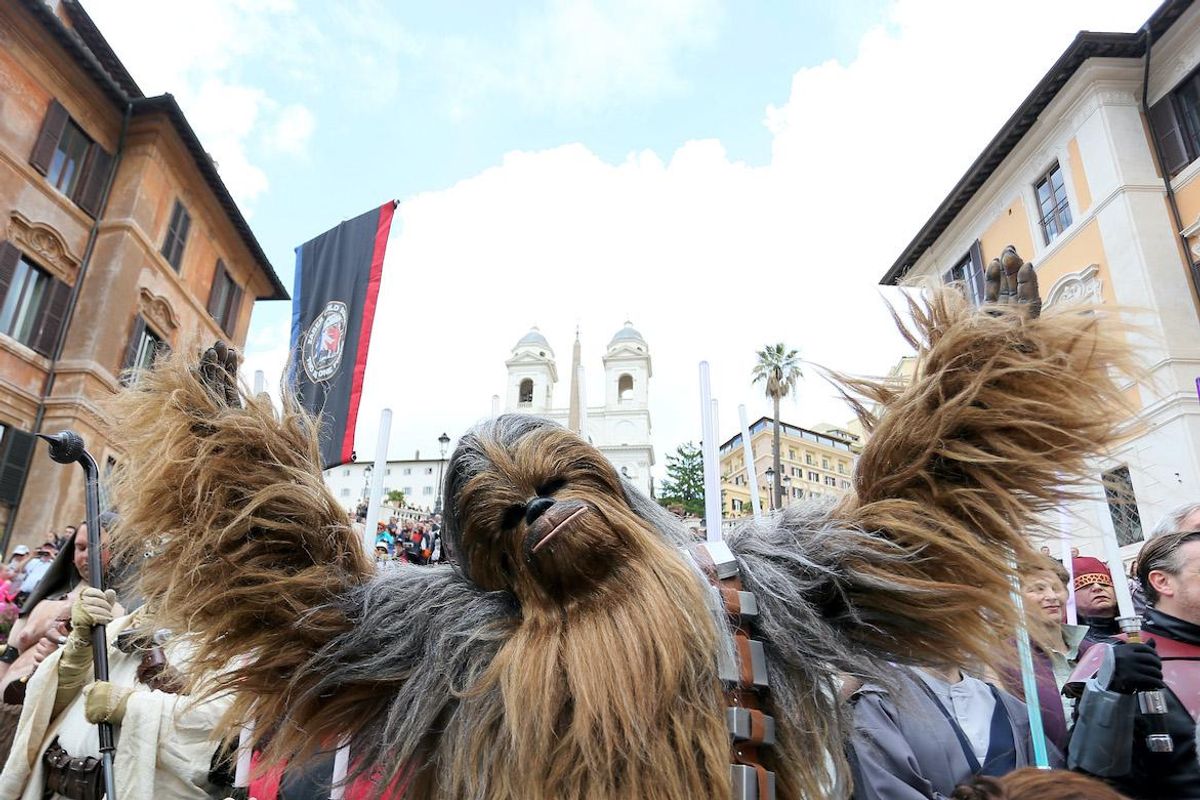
1151 704
68 447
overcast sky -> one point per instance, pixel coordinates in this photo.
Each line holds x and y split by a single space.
723 174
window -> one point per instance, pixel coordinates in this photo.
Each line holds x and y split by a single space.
808 459
830 480
387 471
814 477
408 471
525 392
224 299
407 491
1176 125
824 463
144 347
66 165
845 484
791 454
176 238
1052 203
842 467
72 163
625 387
1122 505
968 274
345 492
426 490
33 305
16 450
345 473
797 472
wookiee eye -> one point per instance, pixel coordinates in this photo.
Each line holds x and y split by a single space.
512 516
551 486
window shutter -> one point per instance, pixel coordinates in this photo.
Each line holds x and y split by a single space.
1170 136
47 141
131 349
235 305
214 291
976 276
15 452
53 313
9 256
89 191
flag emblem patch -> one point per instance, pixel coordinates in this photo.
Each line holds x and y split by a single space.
324 341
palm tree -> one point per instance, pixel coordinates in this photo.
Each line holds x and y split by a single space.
778 368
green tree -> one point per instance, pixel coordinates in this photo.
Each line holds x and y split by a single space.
684 484
778 368
396 496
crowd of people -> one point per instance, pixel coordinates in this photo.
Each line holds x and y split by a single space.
409 542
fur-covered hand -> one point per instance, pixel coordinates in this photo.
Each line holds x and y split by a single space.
218 370
92 607
105 702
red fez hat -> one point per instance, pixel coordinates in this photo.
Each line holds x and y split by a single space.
1090 570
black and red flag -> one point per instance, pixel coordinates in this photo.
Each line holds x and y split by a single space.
333 307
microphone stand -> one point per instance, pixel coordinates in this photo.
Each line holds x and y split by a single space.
67 447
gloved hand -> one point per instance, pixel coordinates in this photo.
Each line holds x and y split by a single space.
92 607
105 702
1136 668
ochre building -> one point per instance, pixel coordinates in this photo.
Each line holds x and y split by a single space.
117 239
1095 180
816 463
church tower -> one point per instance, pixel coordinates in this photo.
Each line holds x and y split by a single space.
626 405
532 374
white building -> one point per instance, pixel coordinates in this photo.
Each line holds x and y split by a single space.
620 427
419 479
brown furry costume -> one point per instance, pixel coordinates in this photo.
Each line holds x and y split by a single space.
572 651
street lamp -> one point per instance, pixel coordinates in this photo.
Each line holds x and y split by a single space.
443 443
771 485
786 480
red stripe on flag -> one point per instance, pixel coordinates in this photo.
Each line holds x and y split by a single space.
386 211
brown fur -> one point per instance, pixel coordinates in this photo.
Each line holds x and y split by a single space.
603 684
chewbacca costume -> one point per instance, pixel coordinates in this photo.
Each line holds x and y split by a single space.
572 650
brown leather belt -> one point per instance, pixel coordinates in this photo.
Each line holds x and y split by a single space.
76 778
745 681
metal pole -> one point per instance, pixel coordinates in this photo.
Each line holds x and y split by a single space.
67 447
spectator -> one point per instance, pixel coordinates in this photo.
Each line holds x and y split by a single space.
1095 601
1055 645
19 558
928 731
34 570
1110 739
1181 518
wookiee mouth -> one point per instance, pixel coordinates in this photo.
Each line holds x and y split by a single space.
553 522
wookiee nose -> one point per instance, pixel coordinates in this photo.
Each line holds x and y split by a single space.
535 509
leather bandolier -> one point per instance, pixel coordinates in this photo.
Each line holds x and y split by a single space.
81 778
744 678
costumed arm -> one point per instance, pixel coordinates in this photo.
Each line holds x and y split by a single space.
92 607
248 552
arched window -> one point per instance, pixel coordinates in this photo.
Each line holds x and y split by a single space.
525 396
625 387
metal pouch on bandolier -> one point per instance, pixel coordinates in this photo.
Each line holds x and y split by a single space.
743 674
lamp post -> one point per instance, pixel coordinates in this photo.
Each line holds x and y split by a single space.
443 443
771 483
787 490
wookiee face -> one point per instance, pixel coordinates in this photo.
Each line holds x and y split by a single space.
534 509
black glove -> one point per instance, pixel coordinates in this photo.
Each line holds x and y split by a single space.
1136 668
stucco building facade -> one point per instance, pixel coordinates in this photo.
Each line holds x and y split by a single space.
1095 180
117 238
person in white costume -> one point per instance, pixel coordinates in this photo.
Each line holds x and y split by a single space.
164 744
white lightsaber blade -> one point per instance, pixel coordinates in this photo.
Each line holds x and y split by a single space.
712 471
751 466
375 497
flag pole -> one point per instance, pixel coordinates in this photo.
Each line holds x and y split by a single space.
751 466
376 493
1064 534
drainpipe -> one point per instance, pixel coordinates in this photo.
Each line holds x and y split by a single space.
72 302
1193 270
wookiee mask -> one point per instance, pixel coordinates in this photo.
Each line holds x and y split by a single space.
533 508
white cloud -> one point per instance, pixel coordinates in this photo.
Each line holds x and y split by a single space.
292 128
709 257
193 50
